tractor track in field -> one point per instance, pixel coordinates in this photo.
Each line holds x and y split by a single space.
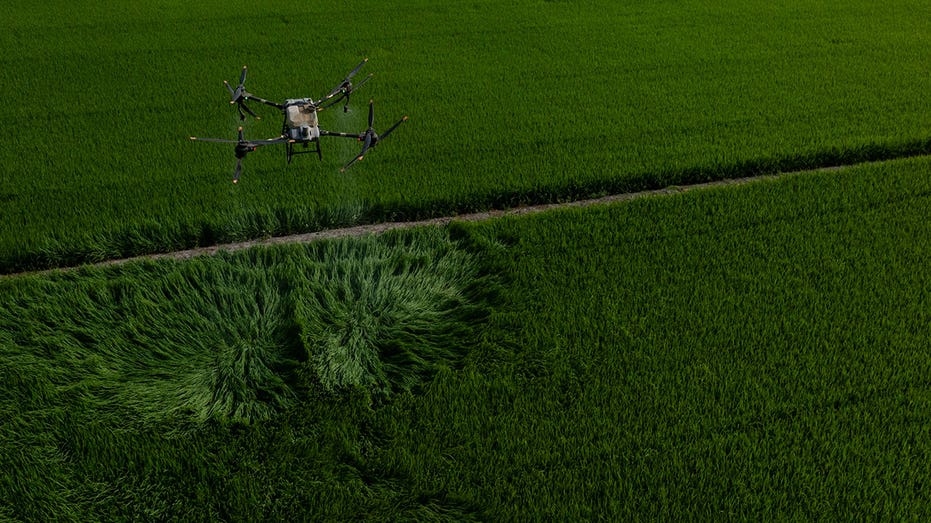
378 228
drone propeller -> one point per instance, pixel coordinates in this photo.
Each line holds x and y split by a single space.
370 138
238 170
345 89
236 95
239 96
392 128
243 107
243 147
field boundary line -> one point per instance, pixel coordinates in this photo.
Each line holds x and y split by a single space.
382 227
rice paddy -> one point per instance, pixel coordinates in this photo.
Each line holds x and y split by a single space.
758 351
744 352
526 103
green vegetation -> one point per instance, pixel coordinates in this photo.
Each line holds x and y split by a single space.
758 352
126 391
753 352
526 102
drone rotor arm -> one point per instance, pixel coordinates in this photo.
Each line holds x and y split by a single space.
340 90
250 96
336 90
330 102
215 140
271 141
341 135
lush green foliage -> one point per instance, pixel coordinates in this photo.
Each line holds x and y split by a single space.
753 352
367 311
529 101
758 352
128 376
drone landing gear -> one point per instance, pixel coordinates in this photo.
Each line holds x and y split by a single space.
292 152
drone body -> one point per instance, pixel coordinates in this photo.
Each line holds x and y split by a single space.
300 119
300 125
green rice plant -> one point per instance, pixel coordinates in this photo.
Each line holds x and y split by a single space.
220 340
758 351
205 341
120 383
384 313
511 104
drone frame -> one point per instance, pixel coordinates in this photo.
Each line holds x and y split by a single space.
300 124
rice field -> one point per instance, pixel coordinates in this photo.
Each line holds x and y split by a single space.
746 352
535 101
130 388
754 352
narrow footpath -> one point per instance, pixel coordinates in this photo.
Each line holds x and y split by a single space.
377 228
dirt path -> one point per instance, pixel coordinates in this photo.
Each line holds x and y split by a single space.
377 228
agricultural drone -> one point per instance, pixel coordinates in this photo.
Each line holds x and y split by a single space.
300 121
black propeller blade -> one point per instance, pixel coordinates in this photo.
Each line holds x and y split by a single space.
356 70
243 147
367 143
348 165
236 95
239 96
393 127
345 89
347 82
370 138
242 107
238 170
